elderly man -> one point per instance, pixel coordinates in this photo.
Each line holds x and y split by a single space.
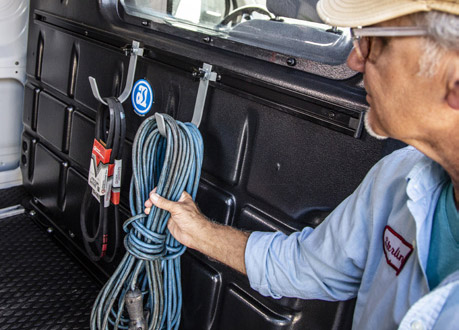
394 243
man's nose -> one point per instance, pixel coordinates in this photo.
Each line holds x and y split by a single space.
354 62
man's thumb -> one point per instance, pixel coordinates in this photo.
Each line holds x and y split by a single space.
161 202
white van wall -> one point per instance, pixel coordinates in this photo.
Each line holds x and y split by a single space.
13 51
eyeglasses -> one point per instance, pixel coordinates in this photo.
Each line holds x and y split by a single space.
361 36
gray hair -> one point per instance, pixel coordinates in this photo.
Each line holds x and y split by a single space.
443 36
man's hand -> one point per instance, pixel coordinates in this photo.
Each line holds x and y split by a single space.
186 219
191 228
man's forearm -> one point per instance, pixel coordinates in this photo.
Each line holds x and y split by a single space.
223 243
191 228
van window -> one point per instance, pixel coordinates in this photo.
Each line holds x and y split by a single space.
292 28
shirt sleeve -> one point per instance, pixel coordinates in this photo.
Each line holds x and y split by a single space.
325 263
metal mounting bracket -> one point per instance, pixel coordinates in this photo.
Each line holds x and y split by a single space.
134 51
206 75
161 124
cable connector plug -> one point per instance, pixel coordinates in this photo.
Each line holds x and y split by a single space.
134 306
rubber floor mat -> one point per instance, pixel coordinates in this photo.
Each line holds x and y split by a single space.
13 196
41 287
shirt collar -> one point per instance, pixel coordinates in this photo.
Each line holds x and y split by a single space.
424 177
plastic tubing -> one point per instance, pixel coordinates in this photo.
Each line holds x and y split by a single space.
151 264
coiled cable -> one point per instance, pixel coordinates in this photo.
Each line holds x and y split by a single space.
151 265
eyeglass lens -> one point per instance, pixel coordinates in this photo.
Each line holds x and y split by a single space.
362 47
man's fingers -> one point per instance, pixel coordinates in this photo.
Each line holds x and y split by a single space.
161 202
184 196
148 202
155 200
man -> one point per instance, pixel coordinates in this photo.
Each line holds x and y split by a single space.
394 243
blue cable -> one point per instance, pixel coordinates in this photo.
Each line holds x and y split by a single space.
151 264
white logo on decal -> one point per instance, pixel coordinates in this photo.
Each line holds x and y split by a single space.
141 96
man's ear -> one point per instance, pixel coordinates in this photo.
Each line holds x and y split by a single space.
453 95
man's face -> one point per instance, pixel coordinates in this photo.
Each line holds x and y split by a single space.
402 102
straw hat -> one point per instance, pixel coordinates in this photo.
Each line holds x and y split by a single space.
354 13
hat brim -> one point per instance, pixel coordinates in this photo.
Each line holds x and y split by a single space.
353 13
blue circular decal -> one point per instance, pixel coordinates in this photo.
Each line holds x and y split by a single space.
142 97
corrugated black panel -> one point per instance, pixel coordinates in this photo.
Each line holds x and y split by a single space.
217 204
27 158
75 188
297 166
201 291
107 66
240 311
51 120
73 70
56 60
252 219
46 178
81 139
225 128
40 48
31 96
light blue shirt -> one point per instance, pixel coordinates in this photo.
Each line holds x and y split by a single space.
373 246
444 242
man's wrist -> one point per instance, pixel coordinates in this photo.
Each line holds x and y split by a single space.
201 234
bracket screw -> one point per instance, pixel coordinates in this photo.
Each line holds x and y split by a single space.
291 61
198 74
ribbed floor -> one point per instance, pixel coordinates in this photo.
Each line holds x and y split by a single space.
41 287
12 196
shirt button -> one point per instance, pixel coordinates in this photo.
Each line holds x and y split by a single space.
417 325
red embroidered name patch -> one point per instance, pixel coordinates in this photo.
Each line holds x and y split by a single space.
396 249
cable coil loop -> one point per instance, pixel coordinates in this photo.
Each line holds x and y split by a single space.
172 164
